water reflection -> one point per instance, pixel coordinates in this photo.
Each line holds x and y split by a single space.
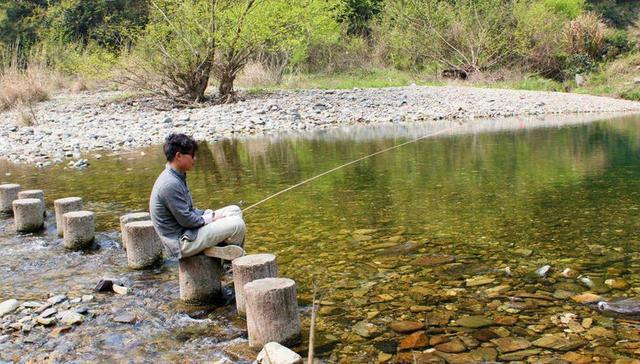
486 196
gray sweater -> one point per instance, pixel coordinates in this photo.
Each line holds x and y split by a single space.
172 211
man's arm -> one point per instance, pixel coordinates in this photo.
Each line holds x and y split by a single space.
178 204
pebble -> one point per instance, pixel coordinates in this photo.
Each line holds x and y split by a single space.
87 298
122 290
510 344
71 318
406 326
474 322
125 318
119 126
57 299
365 329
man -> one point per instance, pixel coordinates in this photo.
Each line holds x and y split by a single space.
184 230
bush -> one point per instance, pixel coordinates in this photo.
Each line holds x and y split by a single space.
585 36
538 37
23 87
463 35
567 8
617 43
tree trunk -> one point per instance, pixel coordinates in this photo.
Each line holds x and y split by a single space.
226 87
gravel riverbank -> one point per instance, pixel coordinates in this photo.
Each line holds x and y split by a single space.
69 125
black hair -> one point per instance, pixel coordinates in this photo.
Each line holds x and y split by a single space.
179 143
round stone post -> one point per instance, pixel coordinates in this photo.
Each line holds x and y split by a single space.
62 206
125 219
249 268
79 229
144 248
272 312
39 194
28 214
200 280
8 193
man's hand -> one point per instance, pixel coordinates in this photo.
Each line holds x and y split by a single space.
208 216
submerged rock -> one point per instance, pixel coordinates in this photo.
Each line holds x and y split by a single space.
475 322
559 342
542 271
627 306
365 329
414 341
406 326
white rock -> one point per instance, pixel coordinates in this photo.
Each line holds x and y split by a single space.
274 353
8 306
71 318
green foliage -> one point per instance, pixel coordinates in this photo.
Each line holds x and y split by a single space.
358 15
617 42
570 9
107 23
461 34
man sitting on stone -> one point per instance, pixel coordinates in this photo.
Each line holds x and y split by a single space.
184 230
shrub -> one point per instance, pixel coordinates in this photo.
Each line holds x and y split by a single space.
567 8
585 36
464 35
616 43
23 87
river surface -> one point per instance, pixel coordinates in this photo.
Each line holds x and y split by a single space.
447 227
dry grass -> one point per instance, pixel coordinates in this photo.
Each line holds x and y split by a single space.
20 87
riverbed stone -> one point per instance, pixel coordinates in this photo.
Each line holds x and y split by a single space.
71 318
416 340
559 342
619 284
453 346
366 329
479 281
509 344
54 300
475 322
438 318
576 358
125 318
586 298
8 306
519 355
431 260
480 355
406 326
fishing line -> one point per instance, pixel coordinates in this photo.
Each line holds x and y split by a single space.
348 164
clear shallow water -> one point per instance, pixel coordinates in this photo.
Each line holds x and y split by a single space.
403 229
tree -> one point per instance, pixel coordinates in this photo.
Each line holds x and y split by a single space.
186 42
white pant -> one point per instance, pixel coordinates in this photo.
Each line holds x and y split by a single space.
230 229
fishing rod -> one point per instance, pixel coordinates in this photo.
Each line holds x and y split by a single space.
348 164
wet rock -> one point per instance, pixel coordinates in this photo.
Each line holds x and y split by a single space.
620 284
384 357
497 290
510 344
414 341
484 335
386 346
438 339
543 271
480 355
598 332
586 298
406 326
365 329
57 299
402 249
31 304
418 308
475 322
71 318
274 353
417 357
240 352
576 358
431 260
441 318
8 306
627 306
569 273
523 252
559 342
562 294
519 355
479 281
506 320
453 346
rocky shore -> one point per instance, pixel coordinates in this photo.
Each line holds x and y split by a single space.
69 125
